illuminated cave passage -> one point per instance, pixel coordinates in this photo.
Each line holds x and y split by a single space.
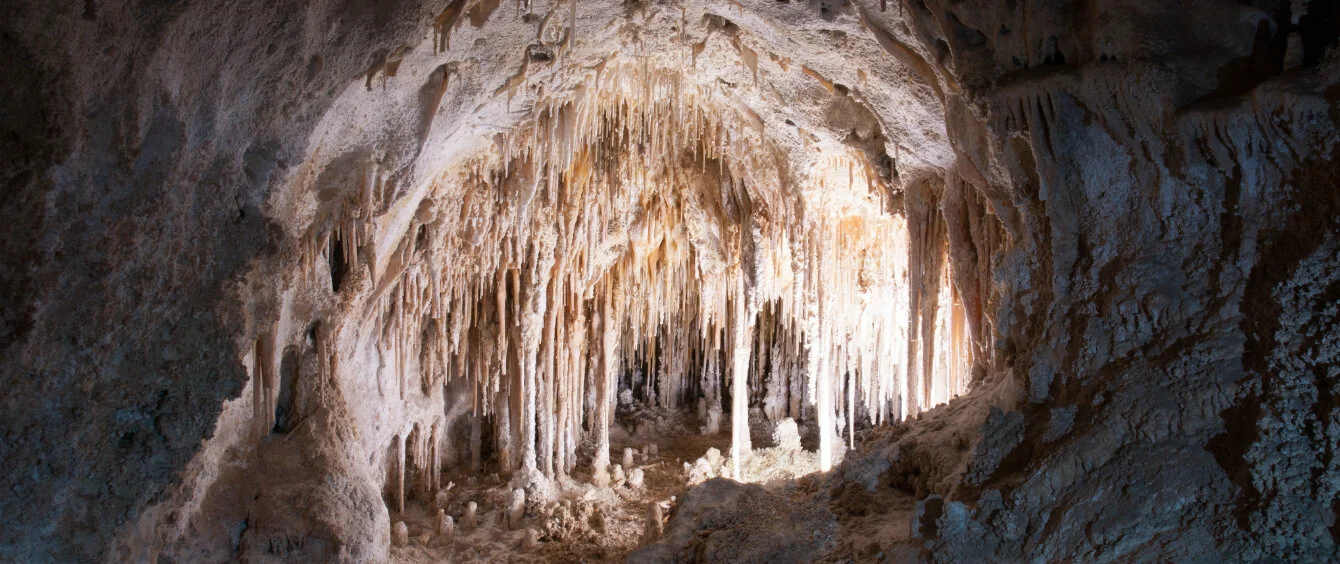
670 281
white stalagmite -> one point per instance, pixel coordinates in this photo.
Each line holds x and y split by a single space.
445 524
471 518
516 509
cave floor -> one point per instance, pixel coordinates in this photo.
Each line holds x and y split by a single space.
583 523
575 534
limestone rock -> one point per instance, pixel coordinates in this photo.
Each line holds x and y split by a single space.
516 509
446 525
787 435
714 415
714 458
601 477
700 471
471 519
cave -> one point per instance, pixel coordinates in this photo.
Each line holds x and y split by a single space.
670 281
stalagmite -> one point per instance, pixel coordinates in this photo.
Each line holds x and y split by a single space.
446 526
628 457
713 420
700 471
516 509
471 519
787 435
400 534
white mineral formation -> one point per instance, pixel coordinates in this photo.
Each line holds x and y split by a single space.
700 471
471 519
787 435
601 477
713 420
516 509
636 478
714 458
446 525
400 534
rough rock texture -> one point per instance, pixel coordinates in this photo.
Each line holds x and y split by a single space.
208 208
718 522
141 144
1160 182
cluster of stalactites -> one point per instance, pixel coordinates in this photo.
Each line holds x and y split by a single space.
414 464
607 216
643 224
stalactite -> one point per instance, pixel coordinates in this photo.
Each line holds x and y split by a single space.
264 383
435 463
400 474
742 328
643 224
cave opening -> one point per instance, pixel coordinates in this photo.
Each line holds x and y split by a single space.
631 291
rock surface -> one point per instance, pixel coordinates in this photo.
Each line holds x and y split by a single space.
719 521
218 219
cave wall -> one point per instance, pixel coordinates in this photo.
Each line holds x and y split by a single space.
141 144
1150 169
